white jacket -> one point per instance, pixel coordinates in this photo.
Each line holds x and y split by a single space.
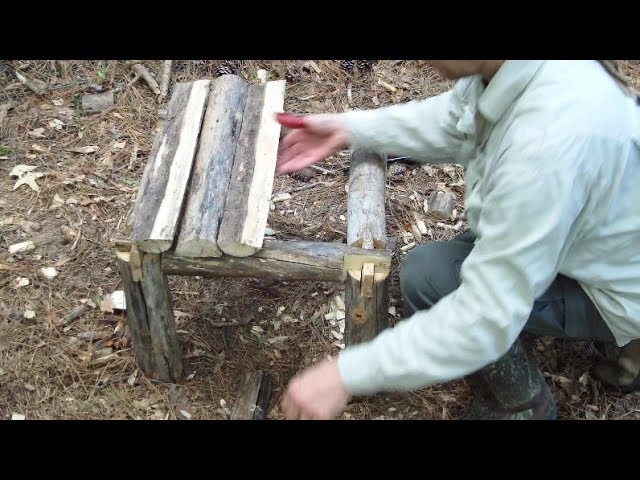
551 151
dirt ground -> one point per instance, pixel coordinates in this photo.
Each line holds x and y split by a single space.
75 201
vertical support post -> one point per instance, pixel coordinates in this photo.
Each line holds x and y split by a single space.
150 316
366 291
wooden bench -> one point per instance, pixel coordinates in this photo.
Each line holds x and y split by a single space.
202 209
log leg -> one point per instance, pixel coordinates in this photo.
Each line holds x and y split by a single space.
162 325
253 398
367 303
366 293
137 319
150 316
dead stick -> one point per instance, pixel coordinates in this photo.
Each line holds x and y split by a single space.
134 155
135 79
67 85
29 84
76 313
62 68
75 244
228 324
146 76
323 170
164 82
304 187
320 336
112 67
4 108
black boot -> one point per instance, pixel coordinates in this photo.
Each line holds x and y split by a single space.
513 388
623 373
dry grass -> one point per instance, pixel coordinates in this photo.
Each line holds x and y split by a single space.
52 370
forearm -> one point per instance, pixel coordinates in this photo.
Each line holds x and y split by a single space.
423 130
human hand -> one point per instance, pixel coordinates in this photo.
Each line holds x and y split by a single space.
316 394
314 138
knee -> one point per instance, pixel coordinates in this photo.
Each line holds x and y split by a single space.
430 272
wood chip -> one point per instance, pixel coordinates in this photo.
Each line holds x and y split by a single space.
39 148
416 233
422 227
104 360
68 234
408 247
22 247
84 150
281 197
315 66
107 305
37 133
49 272
131 381
21 282
388 86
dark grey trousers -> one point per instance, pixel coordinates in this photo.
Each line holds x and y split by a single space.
432 271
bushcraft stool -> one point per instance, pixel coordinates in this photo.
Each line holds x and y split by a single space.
202 209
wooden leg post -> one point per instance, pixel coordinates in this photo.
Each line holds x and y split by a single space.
150 316
137 318
366 294
254 397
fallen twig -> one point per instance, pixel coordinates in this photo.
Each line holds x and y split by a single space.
75 243
323 170
164 82
30 84
304 187
4 108
229 324
315 330
143 72
76 313
70 84
119 89
134 155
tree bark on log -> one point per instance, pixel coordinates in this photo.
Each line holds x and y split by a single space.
245 215
212 168
284 260
366 290
161 193
150 319
253 397
162 326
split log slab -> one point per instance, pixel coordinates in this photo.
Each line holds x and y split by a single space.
162 190
247 207
212 168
